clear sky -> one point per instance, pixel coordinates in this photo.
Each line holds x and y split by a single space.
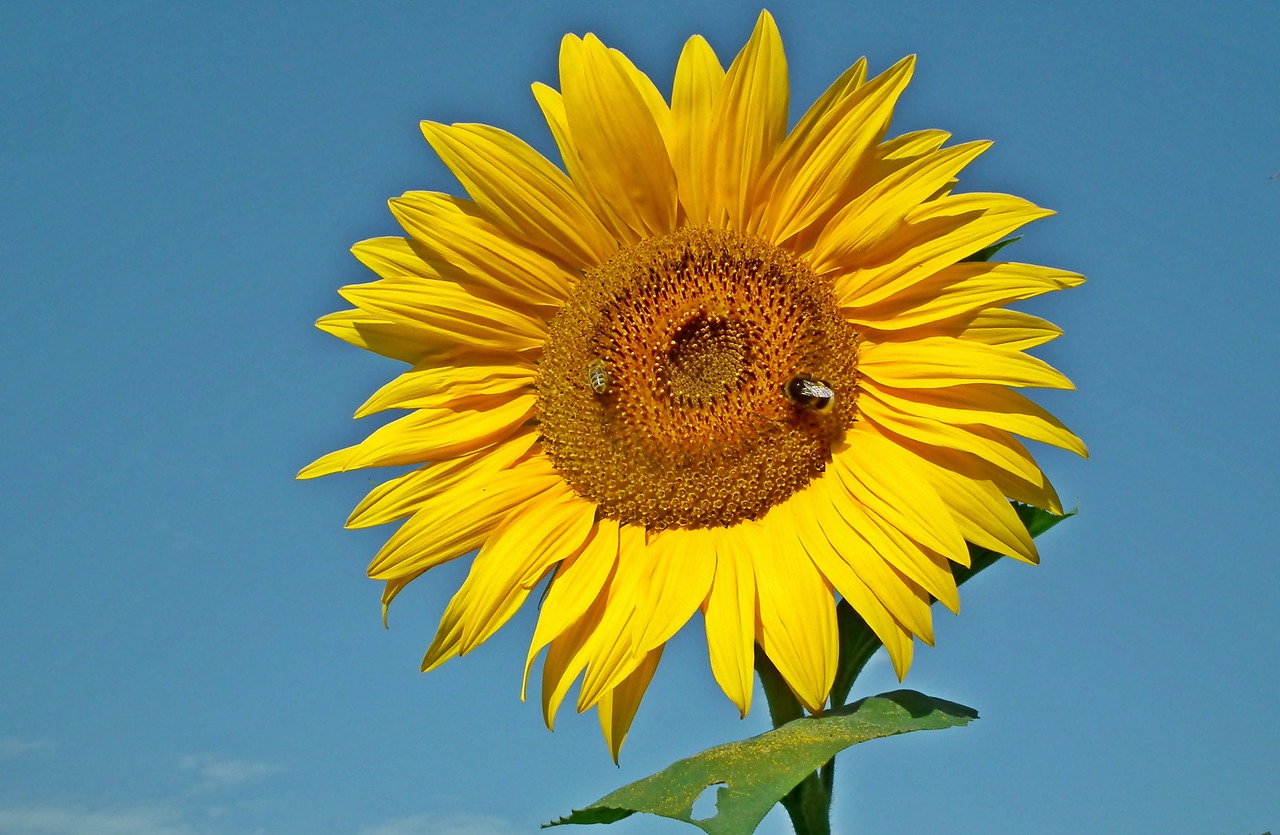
188 643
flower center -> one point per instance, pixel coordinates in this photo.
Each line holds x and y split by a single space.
707 357
696 380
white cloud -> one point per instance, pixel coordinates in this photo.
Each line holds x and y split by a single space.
218 773
437 825
11 748
137 820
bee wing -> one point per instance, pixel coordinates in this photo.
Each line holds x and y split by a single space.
816 389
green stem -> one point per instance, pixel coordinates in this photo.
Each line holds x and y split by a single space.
809 803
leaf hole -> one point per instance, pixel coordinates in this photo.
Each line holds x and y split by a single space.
705 806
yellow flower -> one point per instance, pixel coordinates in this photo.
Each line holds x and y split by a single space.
717 366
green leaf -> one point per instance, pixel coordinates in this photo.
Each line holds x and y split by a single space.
988 252
1038 521
753 775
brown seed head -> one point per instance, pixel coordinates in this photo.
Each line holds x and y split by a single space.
663 385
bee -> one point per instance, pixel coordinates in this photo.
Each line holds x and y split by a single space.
598 376
808 393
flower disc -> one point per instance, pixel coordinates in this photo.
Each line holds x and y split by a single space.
668 388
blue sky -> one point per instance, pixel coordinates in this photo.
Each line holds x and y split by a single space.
188 643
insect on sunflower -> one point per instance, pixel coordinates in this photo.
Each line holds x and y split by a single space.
712 364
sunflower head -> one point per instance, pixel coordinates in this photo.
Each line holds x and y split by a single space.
710 365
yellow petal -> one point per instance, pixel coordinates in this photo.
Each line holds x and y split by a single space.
835 98
992 445
448 311
396 258
867 221
684 564
521 192
405 341
936 362
434 386
566 658
618 707
797 515
649 93
797 611
980 453
844 86
619 143
392 588
936 234
1011 329
697 81
750 120
429 435
987 405
811 168
983 514
730 615
444 646
514 557
575 587
552 105
910 147
829 505
928 569
886 481
881 163
409 493
450 234
900 648
961 289
978 506
457 524
614 646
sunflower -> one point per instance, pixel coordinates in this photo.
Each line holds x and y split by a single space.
710 365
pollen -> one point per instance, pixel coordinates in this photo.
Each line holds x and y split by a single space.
666 386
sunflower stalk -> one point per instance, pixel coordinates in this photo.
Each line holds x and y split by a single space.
809 803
